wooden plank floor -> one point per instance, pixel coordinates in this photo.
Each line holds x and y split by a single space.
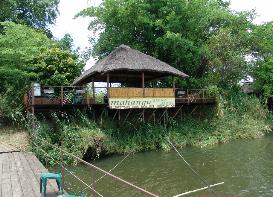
20 175
6 148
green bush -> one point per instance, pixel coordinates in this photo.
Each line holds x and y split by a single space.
237 116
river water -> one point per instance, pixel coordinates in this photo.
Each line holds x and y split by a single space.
246 167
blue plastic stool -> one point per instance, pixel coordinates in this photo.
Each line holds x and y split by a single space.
47 175
67 195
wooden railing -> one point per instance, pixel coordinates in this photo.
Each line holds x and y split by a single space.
194 96
82 95
58 95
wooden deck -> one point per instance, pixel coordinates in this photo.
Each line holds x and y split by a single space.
19 174
68 98
6 148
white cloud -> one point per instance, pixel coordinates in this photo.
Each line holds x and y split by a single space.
263 8
77 28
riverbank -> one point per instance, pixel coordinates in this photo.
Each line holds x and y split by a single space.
15 137
235 117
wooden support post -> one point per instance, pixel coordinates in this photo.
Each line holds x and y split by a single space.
194 109
177 112
127 116
151 116
93 89
62 95
114 115
174 86
108 81
143 83
88 98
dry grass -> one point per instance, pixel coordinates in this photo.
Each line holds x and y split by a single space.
14 137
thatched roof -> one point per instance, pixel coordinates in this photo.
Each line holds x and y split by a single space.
126 65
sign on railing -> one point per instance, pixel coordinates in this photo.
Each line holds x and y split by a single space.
126 103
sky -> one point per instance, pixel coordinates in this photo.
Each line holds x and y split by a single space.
77 28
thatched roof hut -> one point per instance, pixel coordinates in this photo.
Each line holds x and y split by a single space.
126 65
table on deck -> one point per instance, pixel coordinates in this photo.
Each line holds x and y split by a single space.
20 174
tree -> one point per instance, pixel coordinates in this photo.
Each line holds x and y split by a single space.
262 41
227 59
29 50
55 66
262 44
264 78
66 43
179 32
38 14
20 44
27 55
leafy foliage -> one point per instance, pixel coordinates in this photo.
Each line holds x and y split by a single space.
13 85
37 14
263 64
29 55
237 117
20 44
55 66
189 35
227 64
264 77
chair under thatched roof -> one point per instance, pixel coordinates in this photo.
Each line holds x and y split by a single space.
126 65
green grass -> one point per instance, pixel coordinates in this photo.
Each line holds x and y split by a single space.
235 117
